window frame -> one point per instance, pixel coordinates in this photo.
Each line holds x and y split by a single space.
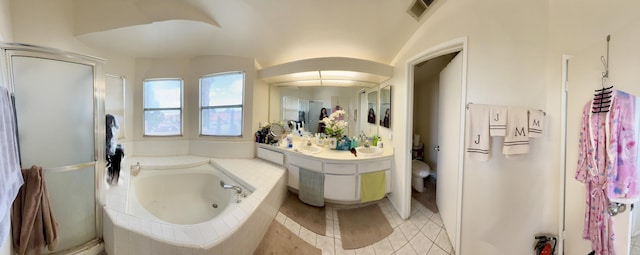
145 109
241 106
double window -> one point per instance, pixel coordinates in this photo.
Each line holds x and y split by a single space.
221 104
162 107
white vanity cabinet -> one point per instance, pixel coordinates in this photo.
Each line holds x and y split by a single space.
294 163
342 172
341 182
269 155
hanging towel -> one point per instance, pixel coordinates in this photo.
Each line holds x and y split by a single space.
517 139
372 186
536 123
10 176
32 220
478 130
311 187
498 120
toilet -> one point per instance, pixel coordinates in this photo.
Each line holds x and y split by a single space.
419 170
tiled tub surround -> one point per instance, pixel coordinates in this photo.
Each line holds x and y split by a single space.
237 230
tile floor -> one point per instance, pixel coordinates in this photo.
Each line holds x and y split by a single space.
423 233
635 245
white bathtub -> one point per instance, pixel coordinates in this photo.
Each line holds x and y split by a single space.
167 208
183 194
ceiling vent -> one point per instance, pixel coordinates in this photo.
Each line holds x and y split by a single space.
418 8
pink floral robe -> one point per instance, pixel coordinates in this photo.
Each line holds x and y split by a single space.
607 164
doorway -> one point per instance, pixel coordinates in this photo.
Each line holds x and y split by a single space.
314 113
432 82
436 98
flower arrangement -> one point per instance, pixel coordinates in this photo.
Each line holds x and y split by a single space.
335 125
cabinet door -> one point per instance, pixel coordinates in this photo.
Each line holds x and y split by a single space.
340 187
387 176
293 177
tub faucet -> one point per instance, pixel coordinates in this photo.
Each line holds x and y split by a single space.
228 186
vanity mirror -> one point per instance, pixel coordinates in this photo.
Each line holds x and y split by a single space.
302 106
372 105
385 106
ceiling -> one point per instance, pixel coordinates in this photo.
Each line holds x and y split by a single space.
270 31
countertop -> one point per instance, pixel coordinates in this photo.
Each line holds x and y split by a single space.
327 155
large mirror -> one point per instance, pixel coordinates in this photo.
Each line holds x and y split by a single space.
370 109
385 106
304 106
372 106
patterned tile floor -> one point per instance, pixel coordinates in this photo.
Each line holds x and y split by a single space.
423 233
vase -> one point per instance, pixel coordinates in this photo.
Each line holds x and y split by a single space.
333 142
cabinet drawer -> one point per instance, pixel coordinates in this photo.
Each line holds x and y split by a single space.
374 166
332 168
315 165
269 155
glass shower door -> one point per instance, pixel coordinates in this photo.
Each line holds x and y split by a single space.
57 128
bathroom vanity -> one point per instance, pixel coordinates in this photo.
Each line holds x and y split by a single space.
342 169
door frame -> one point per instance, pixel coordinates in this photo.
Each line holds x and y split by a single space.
9 50
455 45
563 150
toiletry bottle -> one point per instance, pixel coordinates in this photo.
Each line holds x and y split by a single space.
375 140
135 170
289 141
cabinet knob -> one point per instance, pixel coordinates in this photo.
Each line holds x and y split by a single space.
437 148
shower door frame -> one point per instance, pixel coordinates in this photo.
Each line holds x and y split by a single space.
10 50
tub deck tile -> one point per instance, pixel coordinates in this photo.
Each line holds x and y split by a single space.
204 238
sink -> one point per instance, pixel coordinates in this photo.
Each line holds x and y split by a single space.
369 151
313 149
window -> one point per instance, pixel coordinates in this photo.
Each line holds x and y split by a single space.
162 107
221 97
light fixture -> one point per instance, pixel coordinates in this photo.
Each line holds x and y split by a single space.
336 71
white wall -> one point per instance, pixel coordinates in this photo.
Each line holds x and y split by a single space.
190 70
6 32
505 202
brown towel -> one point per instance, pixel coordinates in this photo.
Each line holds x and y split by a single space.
33 225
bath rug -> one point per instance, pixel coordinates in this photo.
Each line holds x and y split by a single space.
363 226
311 217
428 197
280 240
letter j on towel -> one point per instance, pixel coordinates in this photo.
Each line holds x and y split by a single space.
478 132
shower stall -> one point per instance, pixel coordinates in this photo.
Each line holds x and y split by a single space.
59 103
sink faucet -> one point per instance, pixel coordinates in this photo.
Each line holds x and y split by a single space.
228 186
